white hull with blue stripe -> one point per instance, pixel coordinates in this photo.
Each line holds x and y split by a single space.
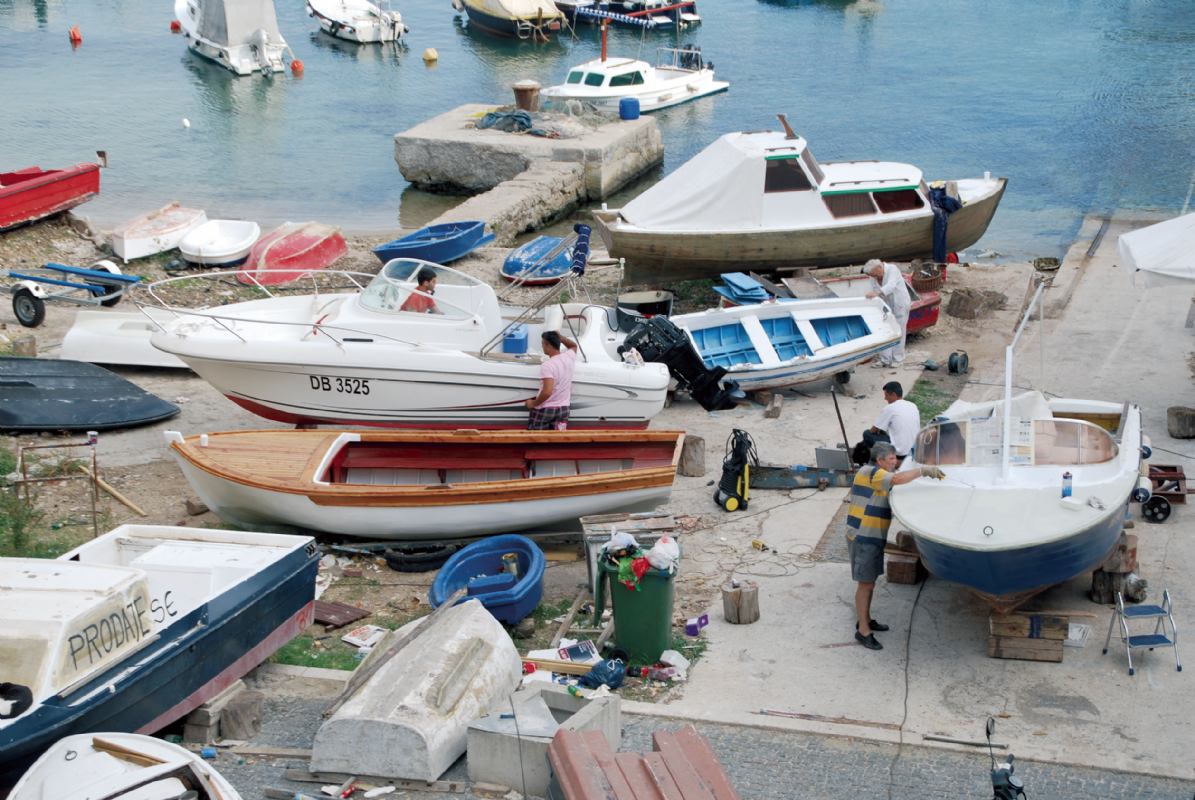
784 343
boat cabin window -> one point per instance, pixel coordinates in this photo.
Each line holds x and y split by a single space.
574 76
815 169
855 204
627 79
898 200
785 175
1040 442
594 79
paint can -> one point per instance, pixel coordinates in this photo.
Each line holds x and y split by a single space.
510 563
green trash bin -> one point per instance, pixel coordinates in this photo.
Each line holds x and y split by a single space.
643 617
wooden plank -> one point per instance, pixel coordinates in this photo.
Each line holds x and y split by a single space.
568 618
336 615
1025 649
270 752
1029 626
402 784
125 753
553 665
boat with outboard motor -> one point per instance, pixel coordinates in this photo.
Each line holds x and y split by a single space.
679 75
357 20
244 39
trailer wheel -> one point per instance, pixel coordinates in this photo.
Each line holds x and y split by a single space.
30 310
108 266
1156 509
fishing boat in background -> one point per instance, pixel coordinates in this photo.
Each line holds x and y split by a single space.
155 232
239 35
522 19
219 242
357 20
761 200
788 342
121 766
290 250
136 628
680 75
441 243
33 193
543 260
425 484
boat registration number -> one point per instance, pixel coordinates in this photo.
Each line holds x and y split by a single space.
322 383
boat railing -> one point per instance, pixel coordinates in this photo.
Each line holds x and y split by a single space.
686 57
1035 442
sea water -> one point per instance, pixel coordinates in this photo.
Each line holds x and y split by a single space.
1085 105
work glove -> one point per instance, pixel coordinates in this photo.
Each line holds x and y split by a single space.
932 472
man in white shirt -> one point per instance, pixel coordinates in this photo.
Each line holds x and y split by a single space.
888 283
898 423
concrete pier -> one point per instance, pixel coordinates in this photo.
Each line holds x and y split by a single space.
524 181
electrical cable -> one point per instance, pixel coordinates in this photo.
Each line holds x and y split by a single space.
514 715
905 717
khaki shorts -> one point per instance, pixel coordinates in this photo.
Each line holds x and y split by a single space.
867 558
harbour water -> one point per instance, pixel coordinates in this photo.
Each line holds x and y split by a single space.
1086 105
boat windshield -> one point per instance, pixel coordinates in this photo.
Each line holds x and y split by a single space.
1035 442
396 289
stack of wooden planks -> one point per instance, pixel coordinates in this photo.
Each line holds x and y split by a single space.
1027 636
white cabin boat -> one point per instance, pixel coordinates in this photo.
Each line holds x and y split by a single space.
121 766
359 358
155 232
761 200
240 35
220 242
357 20
680 75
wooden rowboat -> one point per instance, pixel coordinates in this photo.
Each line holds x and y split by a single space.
290 250
32 193
155 232
390 484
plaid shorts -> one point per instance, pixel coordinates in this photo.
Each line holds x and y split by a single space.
548 419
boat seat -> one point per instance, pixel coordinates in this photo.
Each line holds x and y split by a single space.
559 468
381 460
725 346
384 476
590 466
836 330
786 338
481 475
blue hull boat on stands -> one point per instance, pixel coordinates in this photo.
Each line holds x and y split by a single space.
484 569
440 243
543 260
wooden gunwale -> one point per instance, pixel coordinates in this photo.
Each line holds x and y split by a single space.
285 462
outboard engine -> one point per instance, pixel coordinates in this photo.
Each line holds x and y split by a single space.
657 339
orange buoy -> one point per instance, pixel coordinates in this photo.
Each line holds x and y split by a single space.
296 66
175 26
75 37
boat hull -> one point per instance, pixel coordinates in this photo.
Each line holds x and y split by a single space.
694 254
674 94
291 250
115 337
512 26
193 659
28 199
155 232
435 245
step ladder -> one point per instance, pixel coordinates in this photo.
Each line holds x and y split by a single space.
1163 615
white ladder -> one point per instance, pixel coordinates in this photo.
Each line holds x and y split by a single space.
1163 616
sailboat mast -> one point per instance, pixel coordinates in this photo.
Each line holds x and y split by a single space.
1006 450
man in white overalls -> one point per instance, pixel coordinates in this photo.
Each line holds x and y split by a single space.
888 283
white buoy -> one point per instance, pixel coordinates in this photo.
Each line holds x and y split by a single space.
430 55
186 122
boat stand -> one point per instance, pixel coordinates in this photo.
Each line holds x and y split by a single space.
1162 615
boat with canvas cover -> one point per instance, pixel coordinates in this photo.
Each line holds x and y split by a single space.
239 35
155 232
359 358
357 20
761 200
1160 254
219 242
138 627
290 250
121 766
33 193
788 342
425 484
680 75
522 19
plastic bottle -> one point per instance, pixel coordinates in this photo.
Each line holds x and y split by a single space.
1066 484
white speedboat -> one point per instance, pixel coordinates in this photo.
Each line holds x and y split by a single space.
680 75
220 242
240 35
155 232
357 20
121 766
787 342
358 358
760 200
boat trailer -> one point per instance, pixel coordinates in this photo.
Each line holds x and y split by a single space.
101 285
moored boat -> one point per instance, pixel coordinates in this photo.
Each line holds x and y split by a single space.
357 20
522 19
761 200
239 35
156 231
138 627
425 484
680 75
30 194
121 766
219 242
442 243
290 250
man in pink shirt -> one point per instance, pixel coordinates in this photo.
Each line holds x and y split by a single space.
549 408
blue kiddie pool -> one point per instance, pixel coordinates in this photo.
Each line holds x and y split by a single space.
482 568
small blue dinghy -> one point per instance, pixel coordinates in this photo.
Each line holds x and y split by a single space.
437 243
484 569
543 260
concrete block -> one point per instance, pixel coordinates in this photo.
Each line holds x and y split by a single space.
241 718
199 734
517 756
209 713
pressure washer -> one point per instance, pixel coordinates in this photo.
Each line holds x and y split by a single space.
734 488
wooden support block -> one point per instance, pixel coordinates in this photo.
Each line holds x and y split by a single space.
904 569
740 604
1025 649
774 405
1180 422
905 542
241 718
763 396
1123 557
692 457
1105 585
1029 626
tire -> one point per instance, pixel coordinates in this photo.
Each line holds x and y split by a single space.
419 558
1156 509
107 266
29 309
111 301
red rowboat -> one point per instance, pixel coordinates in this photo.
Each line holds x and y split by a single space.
32 193
291 249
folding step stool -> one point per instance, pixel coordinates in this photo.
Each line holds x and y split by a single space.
1163 614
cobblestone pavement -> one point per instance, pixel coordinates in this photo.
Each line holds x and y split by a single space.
766 765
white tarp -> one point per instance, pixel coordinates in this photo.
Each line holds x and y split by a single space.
1160 254
517 9
233 22
719 189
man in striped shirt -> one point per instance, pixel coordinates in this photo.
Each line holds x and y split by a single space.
867 523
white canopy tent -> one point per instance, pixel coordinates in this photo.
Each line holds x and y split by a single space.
1161 254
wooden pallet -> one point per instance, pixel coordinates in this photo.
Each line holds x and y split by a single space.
1169 481
1027 636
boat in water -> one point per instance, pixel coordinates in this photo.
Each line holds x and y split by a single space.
537 20
290 250
239 35
219 242
121 766
788 342
760 200
680 75
138 627
413 485
155 232
33 193
359 358
442 243
654 14
357 20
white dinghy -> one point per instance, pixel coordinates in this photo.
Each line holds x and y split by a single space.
240 35
357 20
220 242
155 232
121 766
680 75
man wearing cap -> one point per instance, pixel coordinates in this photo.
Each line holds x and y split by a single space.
888 283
